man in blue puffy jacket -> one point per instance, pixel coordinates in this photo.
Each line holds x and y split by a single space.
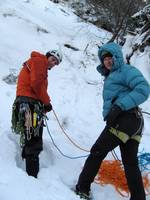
125 88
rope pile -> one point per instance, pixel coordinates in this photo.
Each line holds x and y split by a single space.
112 172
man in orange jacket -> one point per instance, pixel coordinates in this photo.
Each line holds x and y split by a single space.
32 100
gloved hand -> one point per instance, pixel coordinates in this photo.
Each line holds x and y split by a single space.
48 108
112 115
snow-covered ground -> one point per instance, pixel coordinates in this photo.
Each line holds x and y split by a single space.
75 88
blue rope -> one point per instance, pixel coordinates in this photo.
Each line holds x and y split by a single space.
144 161
144 158
70 157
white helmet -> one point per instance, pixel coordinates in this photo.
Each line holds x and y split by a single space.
56 53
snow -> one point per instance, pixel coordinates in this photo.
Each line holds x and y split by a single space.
75 88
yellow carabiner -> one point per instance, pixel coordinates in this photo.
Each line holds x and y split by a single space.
34 119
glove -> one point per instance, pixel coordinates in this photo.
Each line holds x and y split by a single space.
112 115
48 108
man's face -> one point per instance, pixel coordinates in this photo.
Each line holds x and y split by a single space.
108 62
52 61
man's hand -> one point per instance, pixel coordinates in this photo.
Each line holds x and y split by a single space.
48 108
112 115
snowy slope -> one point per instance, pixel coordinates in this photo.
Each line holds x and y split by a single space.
75 89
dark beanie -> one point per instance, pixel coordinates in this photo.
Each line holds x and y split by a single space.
105 54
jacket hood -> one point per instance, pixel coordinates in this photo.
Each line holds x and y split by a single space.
37 54
115 50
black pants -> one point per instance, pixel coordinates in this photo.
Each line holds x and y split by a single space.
34 146
31 151
105 143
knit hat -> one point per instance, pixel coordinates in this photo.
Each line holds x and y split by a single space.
105 54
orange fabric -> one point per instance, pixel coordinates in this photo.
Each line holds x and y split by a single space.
32 80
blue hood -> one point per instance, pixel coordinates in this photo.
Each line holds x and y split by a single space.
115 50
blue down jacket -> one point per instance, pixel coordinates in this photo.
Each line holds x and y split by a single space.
125 85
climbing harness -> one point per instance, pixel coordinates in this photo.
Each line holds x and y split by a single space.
123 136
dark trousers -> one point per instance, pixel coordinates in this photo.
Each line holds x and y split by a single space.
105 143
31 151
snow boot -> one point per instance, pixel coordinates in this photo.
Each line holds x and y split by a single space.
32 166
82 194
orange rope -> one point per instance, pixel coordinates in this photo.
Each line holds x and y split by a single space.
146 182
112 172
75 144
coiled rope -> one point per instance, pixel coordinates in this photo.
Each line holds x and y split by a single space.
112 172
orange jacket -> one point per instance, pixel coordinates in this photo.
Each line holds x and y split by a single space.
32 80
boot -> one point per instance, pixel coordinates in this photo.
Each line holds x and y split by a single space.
32 166
82 194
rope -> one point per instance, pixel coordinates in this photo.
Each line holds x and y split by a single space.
146 183
146 112
144 161
74 143
70 157
112 172
114 155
